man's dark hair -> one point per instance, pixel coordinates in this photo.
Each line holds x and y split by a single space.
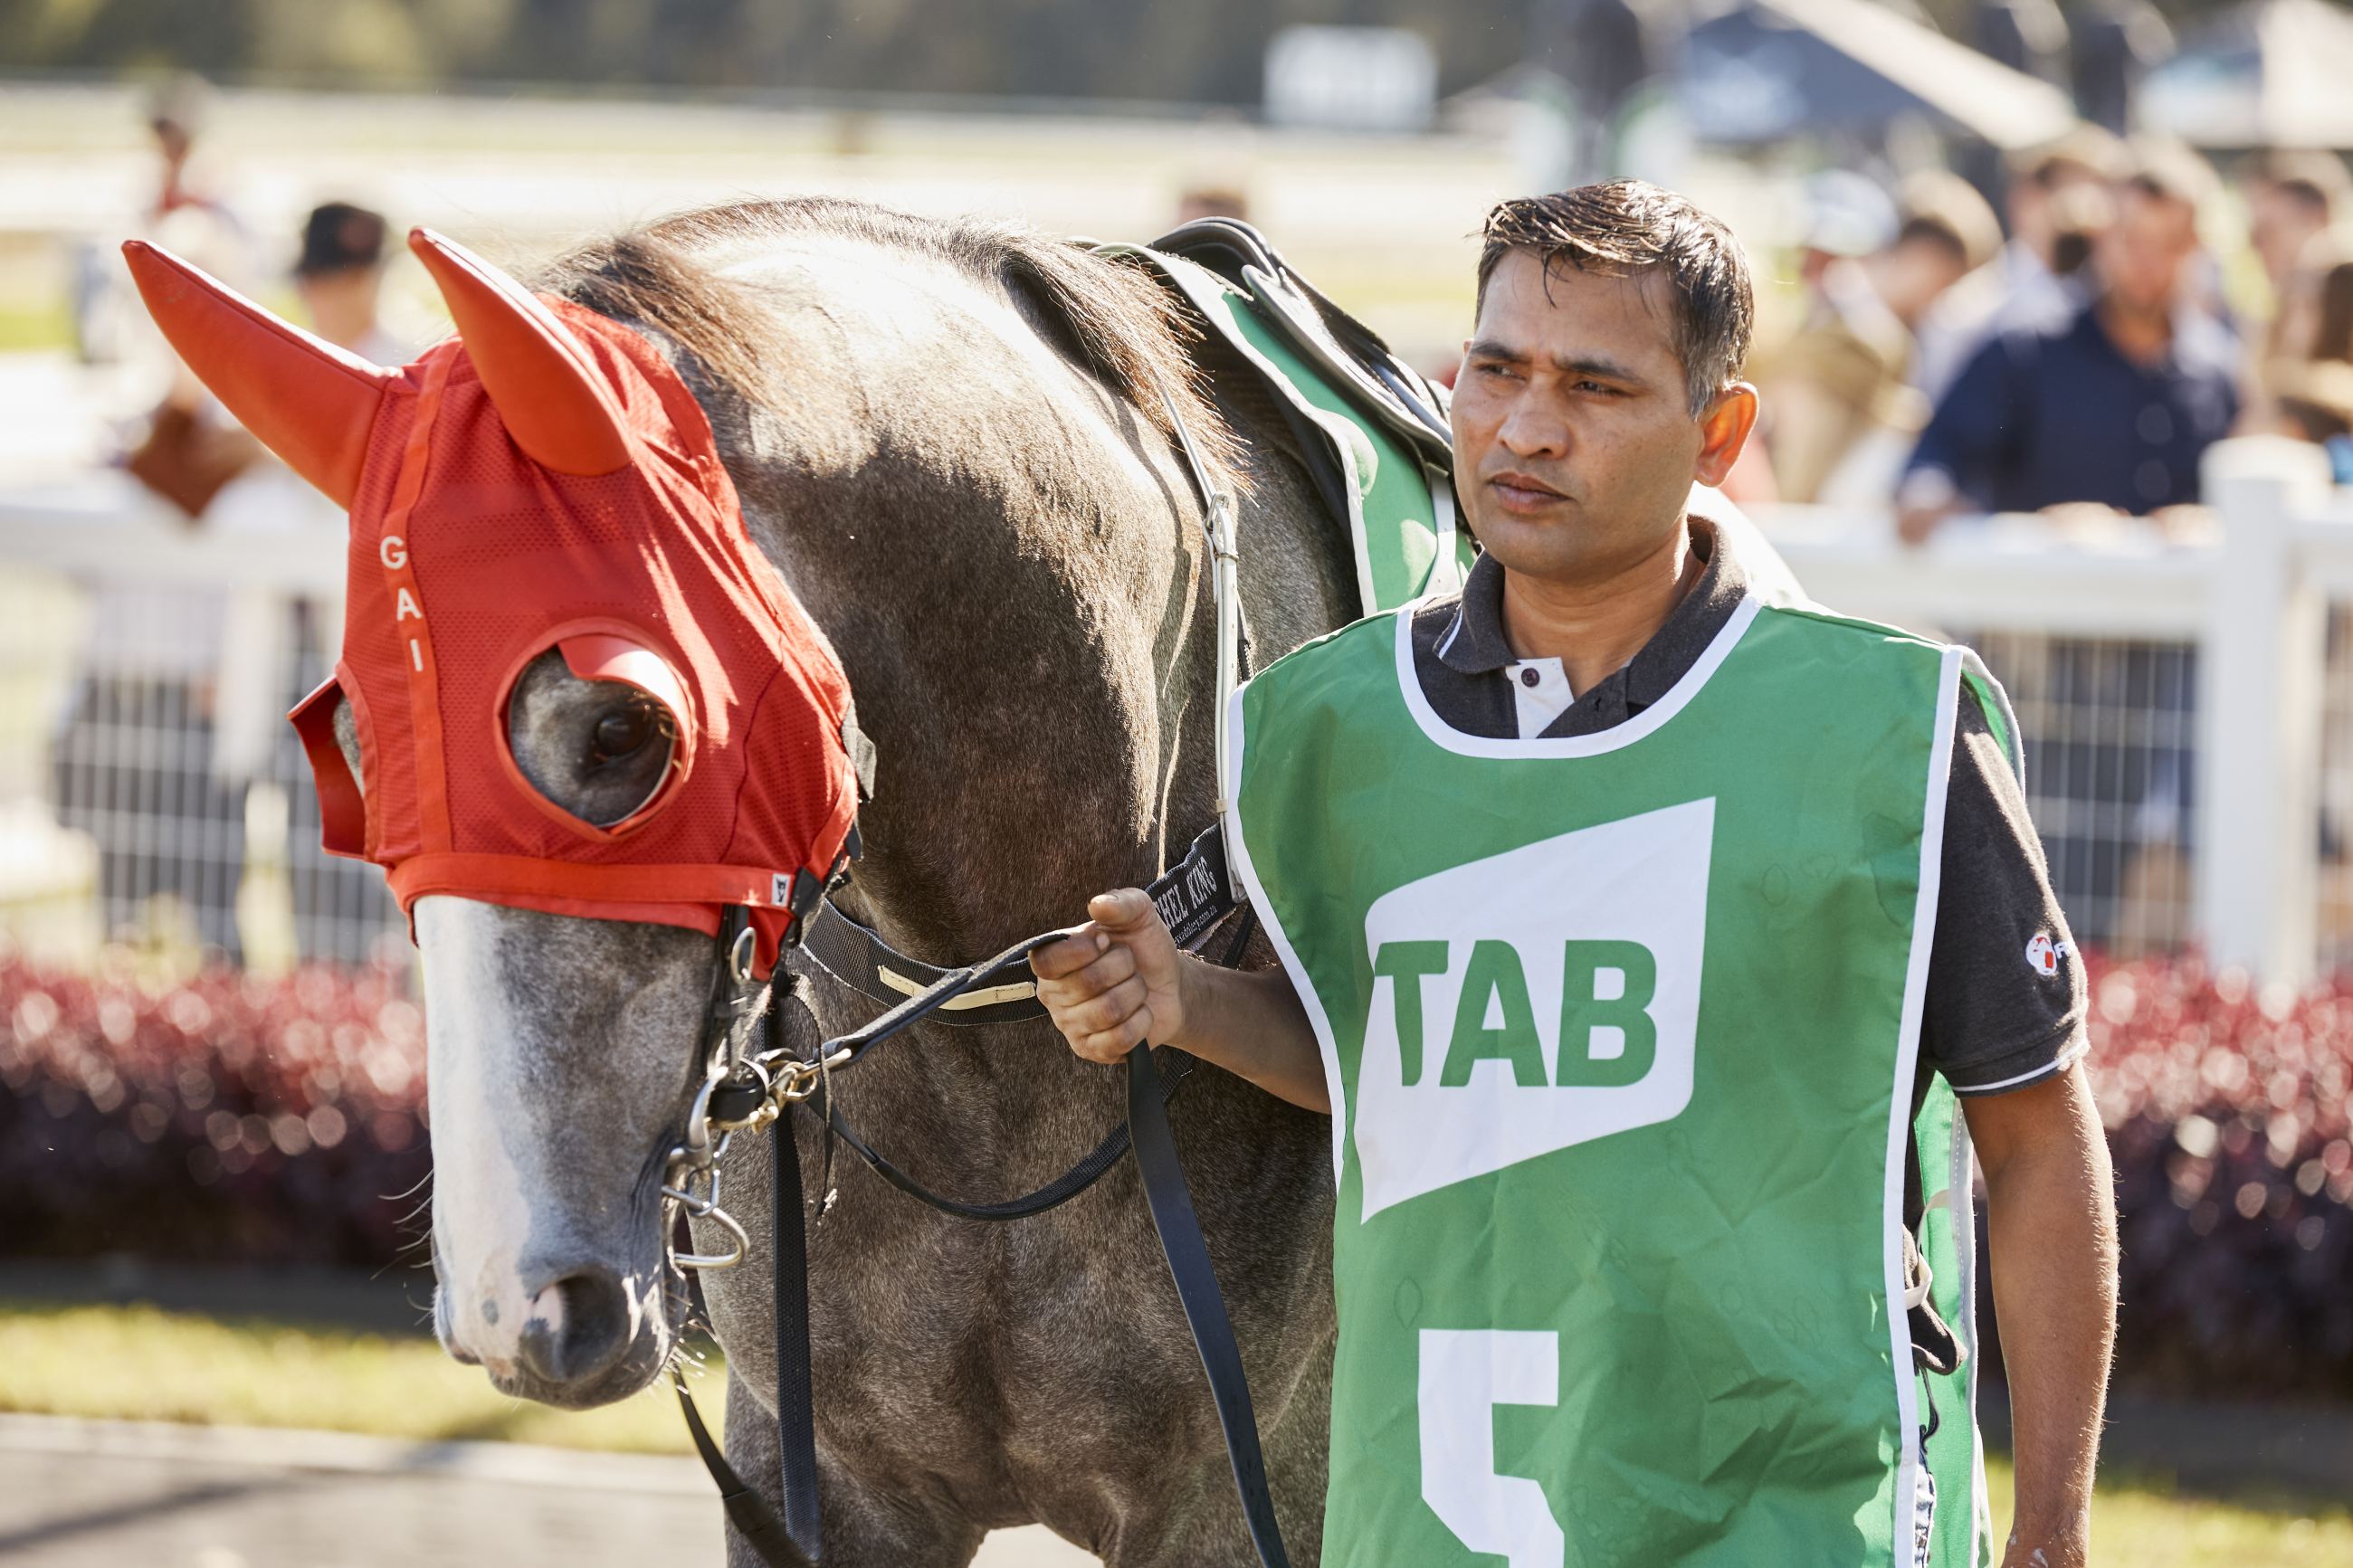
1628 227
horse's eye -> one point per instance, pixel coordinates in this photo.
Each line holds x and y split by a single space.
622 731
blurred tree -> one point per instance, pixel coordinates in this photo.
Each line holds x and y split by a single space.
1209 51
1196 50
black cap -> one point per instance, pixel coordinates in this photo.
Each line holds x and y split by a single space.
339 238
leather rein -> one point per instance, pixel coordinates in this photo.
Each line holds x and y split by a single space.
754 1082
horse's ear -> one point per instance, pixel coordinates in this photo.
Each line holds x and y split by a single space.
547 391
313 404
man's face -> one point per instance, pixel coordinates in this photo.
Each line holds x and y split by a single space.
2142 255
1575 446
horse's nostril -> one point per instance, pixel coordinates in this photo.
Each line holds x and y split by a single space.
578 1327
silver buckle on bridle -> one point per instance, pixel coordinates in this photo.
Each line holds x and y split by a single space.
781 1080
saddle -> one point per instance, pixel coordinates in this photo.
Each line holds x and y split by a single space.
1373 430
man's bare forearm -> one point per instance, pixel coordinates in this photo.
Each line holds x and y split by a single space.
2052 1234
1250 1024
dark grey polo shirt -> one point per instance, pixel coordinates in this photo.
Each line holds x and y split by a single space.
1993 1020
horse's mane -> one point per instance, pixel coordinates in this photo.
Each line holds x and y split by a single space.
1106 315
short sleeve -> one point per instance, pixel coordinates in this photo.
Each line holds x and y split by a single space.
2006 995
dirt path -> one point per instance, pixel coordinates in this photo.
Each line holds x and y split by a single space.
83 1492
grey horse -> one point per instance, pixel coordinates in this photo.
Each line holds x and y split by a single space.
951 439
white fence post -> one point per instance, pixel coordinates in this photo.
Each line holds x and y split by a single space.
2259 709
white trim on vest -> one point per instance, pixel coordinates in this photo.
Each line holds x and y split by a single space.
1238 859
1899 1116
1678 697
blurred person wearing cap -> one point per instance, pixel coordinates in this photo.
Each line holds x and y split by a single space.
340 276
2050 188
2112 404
1839 380
338 273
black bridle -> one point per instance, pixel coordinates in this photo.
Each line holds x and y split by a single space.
772 1087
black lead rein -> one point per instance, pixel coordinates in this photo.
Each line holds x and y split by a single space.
1193 896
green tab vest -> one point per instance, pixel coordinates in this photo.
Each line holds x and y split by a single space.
1620 1032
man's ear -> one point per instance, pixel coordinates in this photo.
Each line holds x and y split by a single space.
1723 430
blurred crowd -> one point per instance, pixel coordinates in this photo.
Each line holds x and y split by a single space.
2075 355
2070 347
172 754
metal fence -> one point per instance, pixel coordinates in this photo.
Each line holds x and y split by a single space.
2109 731
2186 707
150 792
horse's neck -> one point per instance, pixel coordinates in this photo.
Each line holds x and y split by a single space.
1003 800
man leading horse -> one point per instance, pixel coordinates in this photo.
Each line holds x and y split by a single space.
1636 920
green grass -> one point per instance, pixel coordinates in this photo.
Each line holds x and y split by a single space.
139 1363
2138 1526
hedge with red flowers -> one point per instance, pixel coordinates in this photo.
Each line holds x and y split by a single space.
229 1120
222 1120
2229 1113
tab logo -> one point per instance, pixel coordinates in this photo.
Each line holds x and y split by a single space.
1531 1001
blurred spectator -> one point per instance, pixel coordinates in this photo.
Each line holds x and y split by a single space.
2316 311
1835 393
2314 400
191 447
340 276
2051 188
1199 201
2291 197
174 748
2310 381
2113 403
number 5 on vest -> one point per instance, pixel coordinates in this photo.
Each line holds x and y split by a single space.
1464 1374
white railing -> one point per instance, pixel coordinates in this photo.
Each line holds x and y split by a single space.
2250 595
2073 622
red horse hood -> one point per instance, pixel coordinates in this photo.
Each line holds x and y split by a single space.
543 480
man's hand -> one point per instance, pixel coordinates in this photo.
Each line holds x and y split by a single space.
1117 982
2052 1242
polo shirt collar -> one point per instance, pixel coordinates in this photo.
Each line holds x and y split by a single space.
1474 644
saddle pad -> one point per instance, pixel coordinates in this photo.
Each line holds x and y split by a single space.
1398 509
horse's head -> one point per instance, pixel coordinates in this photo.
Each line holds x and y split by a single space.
577 717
